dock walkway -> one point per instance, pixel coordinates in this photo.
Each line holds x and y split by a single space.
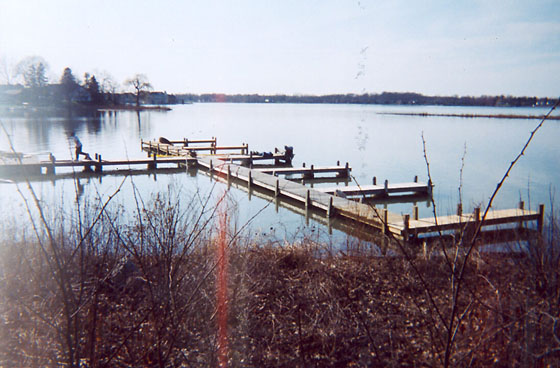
400 226
49 167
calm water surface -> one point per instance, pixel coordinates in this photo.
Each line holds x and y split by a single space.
386 146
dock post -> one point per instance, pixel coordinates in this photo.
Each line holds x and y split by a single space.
307 200
211 166
347 167
386 187
153 164
51 169
430 187
459 209
310 174
415 212
99 165
228 173
540 220
385 220
522 208
416 178
477 215
330 209
374 181
406 221
277 188
250 180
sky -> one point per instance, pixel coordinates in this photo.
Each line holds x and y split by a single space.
434 47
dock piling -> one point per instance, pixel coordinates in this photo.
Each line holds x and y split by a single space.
406 230
385 220
99 165
477 215
522 208
540 220
153 165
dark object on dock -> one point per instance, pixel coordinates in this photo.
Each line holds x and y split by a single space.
289 152
164 140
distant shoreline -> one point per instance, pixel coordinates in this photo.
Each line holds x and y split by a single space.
86 110
134 108
489 116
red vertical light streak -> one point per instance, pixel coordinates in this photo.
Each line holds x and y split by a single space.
221 284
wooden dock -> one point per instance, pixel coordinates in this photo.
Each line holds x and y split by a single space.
49 167
400 226
236 163
192 148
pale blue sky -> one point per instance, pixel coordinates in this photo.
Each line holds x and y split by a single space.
297 46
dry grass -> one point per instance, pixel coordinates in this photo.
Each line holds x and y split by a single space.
288 306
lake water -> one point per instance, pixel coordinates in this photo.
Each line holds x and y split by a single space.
386 146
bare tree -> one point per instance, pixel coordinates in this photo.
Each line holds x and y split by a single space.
140 85
34 70
108 86
6 70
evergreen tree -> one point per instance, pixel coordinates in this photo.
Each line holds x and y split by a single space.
92 86
68 84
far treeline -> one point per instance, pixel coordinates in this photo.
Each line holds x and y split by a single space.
27 84
385 98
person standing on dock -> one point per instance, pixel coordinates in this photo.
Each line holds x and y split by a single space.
78 148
